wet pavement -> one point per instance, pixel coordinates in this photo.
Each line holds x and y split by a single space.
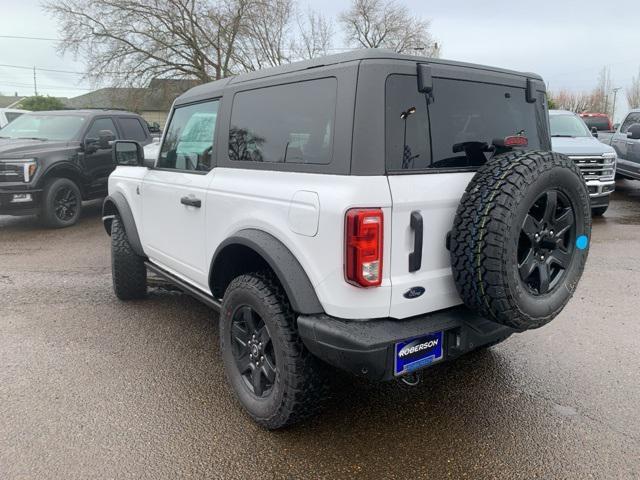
91 387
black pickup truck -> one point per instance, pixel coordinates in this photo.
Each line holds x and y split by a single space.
51 161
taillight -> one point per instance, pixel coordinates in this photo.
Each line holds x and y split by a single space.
363 255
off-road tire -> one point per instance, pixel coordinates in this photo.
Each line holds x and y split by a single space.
599 211
128 272
488 227
301 383
48 209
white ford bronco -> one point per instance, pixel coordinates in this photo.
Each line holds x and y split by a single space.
369 211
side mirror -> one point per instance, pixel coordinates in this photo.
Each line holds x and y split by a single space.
128 153
594 132
616 126
105 139
634 132
90 145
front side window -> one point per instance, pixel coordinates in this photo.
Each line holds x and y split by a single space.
44 127
189 141
568 126
291 123
630 120
11 116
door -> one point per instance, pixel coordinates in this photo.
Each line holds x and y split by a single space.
626 148
173 193
98 161
433 147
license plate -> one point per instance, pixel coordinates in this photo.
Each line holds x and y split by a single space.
416 353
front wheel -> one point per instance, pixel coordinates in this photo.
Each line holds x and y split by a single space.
599 211
275 378
128 271
61 203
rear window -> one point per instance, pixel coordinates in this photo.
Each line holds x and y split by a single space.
455 128
291 123
601 123
132 129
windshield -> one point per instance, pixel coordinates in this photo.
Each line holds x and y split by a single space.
44 127
568 126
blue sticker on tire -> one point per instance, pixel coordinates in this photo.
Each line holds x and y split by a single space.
416 353
581 242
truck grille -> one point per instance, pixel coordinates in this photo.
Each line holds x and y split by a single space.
10 172
595 168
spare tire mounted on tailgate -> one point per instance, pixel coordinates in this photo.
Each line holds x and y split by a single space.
520 238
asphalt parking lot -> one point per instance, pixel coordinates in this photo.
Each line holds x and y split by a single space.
91 387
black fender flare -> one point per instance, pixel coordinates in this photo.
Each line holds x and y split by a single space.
284 264
116 204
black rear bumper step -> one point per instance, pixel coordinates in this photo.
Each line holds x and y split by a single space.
367 347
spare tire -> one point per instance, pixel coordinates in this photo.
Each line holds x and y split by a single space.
520 238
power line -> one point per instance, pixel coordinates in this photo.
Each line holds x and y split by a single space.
20 37
54 87
41 69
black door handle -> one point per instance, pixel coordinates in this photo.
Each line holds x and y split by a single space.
190 201
415 257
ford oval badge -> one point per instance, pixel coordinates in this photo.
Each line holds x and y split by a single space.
414 292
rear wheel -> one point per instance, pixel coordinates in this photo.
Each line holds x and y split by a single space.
275 378
61 203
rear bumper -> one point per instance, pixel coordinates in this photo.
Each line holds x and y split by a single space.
367 348
10 205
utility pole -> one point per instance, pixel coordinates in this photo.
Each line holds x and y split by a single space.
35 85
613 113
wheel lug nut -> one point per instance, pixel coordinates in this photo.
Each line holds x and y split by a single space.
262 359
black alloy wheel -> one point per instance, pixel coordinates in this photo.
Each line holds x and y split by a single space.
65 203
547 241
253 351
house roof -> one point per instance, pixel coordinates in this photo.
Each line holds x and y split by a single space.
9 100
158 96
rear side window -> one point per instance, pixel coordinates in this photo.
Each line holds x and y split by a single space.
454 129
188 142
132 129
291 123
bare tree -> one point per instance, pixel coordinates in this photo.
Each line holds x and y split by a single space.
573 101
385 24
633 92
266 39
315 35
132 41
600 97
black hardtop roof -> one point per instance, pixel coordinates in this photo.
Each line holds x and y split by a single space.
214 88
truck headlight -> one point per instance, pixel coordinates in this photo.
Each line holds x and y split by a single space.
611 156
18 169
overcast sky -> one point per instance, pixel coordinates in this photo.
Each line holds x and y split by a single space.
566 41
